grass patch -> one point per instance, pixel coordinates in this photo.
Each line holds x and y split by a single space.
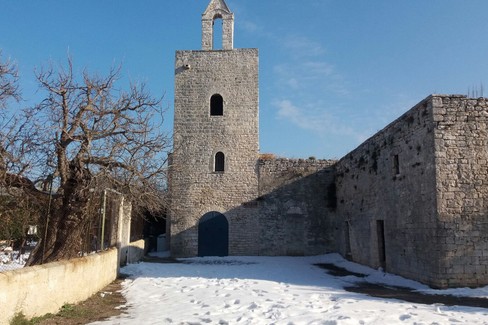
20 319
73 311
100 306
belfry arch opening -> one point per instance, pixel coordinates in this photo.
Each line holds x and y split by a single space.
217 33
217 27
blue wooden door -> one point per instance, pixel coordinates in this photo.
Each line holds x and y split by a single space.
213 235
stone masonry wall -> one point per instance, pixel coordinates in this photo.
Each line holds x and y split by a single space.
387 186
295 201
461 142
195 188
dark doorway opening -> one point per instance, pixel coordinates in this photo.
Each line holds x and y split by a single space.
154 227
380 231
213 235
347 236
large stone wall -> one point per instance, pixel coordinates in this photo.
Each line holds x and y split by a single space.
461 142
291 215
412 198
295 204
386 198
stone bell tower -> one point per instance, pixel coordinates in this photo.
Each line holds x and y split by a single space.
213 165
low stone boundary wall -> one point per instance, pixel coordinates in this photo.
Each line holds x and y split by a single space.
43 289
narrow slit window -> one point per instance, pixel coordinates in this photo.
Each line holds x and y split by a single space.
216 105
219 162
396 165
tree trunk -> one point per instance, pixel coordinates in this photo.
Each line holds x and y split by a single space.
67 223
64 239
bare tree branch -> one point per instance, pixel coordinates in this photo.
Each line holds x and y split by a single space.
9 88
100 137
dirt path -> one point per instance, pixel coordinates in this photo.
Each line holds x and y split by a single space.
102 305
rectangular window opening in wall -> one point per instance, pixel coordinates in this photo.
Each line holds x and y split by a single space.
380 233
396 165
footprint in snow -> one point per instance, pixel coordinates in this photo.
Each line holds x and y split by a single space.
232 302
405 317
185 289
155 296
279 306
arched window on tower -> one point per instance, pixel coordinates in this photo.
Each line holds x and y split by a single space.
219 162
216 105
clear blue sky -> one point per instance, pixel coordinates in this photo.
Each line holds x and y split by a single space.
332 72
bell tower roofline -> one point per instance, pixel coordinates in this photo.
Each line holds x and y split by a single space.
217 9
216 5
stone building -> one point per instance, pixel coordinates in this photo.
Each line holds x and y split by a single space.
223 198
412 199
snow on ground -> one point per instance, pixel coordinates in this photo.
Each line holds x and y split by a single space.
274 290
12 260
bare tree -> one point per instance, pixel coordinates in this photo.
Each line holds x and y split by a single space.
9 88
92 135
20 201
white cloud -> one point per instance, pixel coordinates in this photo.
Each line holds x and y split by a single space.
249 26
318 67
303 73
316 119
303 46
313 77
305 76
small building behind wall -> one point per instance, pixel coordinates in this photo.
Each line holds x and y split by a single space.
411 198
